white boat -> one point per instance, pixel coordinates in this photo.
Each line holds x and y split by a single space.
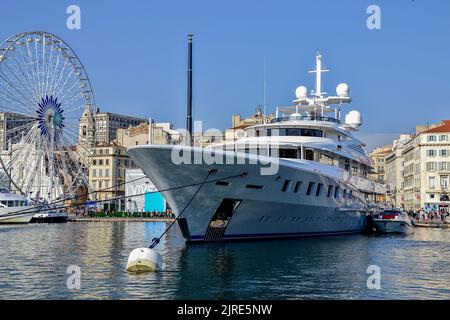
14 208
301 174
393 221
50 216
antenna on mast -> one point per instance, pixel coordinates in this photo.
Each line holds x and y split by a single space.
318 93
265 89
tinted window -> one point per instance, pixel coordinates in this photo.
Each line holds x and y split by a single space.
310 186
288 153
301 132
319 189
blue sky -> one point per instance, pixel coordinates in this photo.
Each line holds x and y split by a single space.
135 54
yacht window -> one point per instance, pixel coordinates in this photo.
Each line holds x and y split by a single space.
344 194
288 153
336 192
350 194
297 186
269 132
330 190
254 186
309 155
347 164
10 203
319 189
300 132
310 186
4 203
286 185
257 133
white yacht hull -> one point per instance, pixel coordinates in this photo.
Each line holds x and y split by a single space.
263 209
16 215
393 226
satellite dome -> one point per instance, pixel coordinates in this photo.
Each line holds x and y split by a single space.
301 92
353 119
343 90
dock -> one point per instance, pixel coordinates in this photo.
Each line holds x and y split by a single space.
431 225
124 219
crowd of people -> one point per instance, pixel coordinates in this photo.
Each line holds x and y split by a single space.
436 216
86 213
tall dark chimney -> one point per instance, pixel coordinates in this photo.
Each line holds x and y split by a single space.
189 90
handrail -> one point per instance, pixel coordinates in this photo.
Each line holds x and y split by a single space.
310 118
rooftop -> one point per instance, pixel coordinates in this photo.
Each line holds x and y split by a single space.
443 127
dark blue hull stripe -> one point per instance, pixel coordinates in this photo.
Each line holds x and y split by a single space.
278 235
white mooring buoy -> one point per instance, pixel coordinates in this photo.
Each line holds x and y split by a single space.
144 260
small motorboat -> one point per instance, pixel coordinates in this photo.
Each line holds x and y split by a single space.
52 216
393 221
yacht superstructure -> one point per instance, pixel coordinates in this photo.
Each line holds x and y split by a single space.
14 209
304 173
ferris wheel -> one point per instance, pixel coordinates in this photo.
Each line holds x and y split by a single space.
44 91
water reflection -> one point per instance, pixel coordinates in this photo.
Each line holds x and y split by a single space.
34 260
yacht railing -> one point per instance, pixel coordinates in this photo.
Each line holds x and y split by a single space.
308 118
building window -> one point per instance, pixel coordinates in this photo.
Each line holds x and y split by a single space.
443 137
100 172
431 166
431 139
444 182
443 153
431 182
431 153
94 172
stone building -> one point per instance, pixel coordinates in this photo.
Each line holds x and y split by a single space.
107 175
426 175
160 133
107 124
394 166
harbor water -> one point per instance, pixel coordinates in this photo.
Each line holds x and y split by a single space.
34 262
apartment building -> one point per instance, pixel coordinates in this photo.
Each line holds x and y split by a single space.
426 174
107 175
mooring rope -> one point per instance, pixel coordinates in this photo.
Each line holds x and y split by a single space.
33 210
155 241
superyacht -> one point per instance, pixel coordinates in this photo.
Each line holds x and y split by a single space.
303 173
